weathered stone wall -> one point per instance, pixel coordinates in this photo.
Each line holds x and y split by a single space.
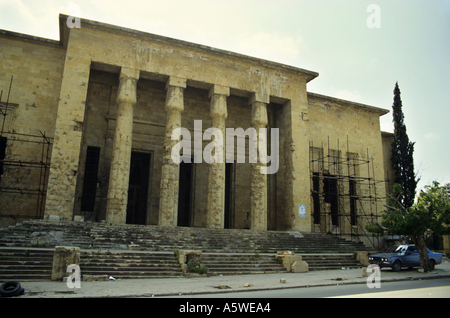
148 131
349 137
77 84
36 66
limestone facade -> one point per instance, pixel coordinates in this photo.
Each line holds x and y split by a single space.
111 97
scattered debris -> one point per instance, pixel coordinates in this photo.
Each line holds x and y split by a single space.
285 253
11 289
95 278
283 280
222 286
111 278
248 285
64 292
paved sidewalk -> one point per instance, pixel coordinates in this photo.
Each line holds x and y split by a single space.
208 285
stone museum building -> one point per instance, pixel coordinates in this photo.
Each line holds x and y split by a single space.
86 125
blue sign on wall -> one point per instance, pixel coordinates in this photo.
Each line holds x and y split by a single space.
302 210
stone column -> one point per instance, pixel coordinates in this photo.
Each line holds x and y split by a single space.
216 179
296 161
68 135
170 173
258 190
117 199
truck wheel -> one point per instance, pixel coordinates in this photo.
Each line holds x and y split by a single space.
432 264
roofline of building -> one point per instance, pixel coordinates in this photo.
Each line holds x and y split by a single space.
382 111
29 37
310 75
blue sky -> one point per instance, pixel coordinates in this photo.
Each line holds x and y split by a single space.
331 37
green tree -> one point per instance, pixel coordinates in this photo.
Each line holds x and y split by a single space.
402 154
430 212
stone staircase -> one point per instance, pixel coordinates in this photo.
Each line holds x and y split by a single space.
25 264
136 251
129 265
90 235
240 264
36 264
318 262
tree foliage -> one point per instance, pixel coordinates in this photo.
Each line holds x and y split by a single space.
402 154
403 216
430 212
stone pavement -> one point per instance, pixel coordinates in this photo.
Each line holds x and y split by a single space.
208 285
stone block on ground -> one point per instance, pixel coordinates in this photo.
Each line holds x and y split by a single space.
288 260
299 267
363 258
62 258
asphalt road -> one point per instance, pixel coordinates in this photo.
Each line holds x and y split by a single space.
430 288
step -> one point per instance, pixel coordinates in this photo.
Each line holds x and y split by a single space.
25 264
327 262
127 265
137 238
236 264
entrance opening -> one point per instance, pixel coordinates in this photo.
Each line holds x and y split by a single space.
331 196
184 194
316 198
353 199
228 195
138 188
90 179
3 141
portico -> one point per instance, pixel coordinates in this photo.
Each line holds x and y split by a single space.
112 102
183 66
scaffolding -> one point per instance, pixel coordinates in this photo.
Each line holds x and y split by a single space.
344 194
14 146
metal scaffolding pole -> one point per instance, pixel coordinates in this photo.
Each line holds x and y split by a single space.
348 201
12 159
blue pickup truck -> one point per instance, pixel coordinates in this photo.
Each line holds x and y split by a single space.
398 256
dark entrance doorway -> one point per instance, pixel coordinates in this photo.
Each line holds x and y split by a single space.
331 196
228 195
138 188
184 194
316 198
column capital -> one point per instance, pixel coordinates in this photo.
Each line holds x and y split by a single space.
218 95
127 92
219 90
259 114
262 97
126 72
176 81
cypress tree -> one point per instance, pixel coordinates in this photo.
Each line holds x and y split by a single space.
402 154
